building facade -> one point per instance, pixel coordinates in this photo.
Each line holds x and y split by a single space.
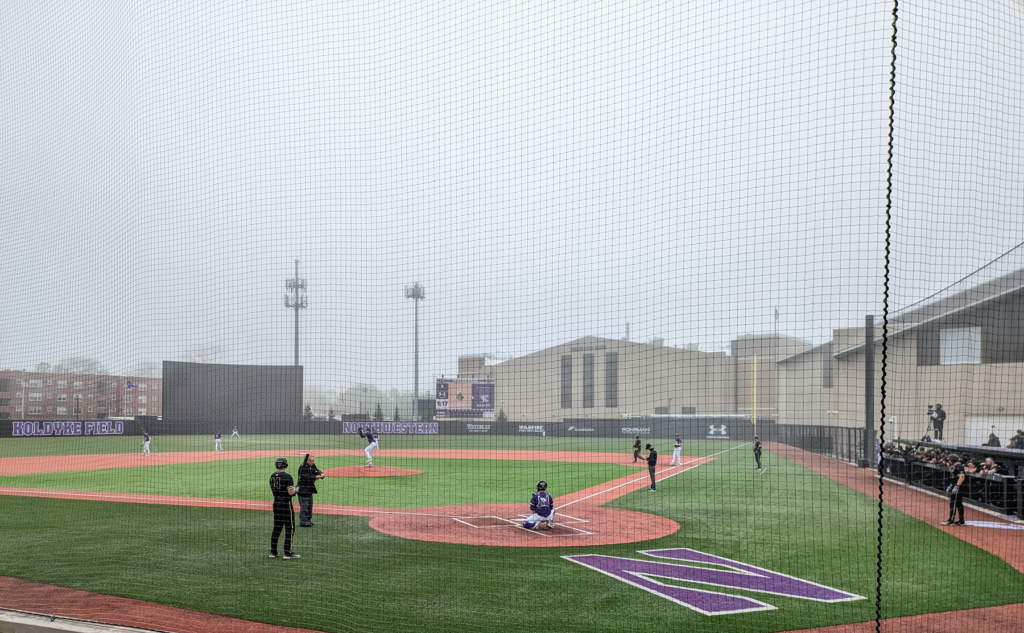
26 395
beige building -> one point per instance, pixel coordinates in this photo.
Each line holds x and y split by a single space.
965 352
597 378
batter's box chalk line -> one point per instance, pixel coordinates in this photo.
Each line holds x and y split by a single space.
492 521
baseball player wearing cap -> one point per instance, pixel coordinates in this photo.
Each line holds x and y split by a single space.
282 486
636 449
955 490
757 452
652 461
145 443
543 508
676 459
371 440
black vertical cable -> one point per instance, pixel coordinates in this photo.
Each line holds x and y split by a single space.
885 313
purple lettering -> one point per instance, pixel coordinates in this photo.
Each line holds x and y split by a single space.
47 428
118 428
38 430
90 427
102 428
16 429
69 428
741 576
78 428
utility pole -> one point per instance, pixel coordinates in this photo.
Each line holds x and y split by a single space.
297 301
416 292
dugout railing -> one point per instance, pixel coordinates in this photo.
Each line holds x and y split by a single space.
998 492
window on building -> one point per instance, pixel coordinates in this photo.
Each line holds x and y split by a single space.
90 409
5 384
960 346
35 397
567 381
35 383
143 387
49 409
62 384
588 381
62 410
611 379
101 387
35 410
127 399
62 397
101 403
5 402
142 411
17 408
78 385
142 399
77 397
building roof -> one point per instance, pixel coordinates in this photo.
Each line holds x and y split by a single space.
974 297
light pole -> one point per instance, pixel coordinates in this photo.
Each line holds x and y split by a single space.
298 302
416 292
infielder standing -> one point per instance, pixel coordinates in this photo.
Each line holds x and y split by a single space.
676 459
145 443
543 508
216 442
282 486
234 433
372 441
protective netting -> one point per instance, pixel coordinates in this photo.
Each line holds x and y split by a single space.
452 250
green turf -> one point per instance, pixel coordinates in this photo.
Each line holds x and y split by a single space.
352 578
442 482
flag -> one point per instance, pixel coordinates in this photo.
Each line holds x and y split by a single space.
776 314
129 385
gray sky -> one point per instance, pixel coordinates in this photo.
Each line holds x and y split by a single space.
548 170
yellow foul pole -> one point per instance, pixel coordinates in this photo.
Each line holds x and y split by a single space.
753 394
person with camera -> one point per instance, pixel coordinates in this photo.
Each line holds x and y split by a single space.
955 491
938 416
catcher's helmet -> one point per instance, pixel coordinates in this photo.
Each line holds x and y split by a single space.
529 525
281 462
542 485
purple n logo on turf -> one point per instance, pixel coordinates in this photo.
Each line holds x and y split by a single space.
738 576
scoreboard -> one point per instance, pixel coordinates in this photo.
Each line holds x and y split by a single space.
465 398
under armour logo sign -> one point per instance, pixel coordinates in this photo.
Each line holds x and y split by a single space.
712 429
640 573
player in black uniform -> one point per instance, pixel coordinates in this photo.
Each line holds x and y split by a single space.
283 488
757 452
955 490
308 474
636 449
652 461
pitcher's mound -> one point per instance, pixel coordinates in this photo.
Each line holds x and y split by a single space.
370 471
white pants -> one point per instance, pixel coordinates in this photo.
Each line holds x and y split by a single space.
537 519
217 446
235 434
369 451
675 457
145 448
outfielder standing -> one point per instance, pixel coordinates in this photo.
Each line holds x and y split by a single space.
676 459
372 441
543 508
283 488
145 443
652 461
955 490
757 452
234 433
216 442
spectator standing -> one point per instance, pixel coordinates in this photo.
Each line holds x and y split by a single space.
938 420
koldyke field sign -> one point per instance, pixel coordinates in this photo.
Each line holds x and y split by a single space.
46 428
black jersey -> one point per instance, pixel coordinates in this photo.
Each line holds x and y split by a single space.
757 447
652 459
279 485
636 445
958 472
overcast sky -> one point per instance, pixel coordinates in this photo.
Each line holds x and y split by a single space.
547 170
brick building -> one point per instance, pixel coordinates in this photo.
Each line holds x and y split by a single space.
26 395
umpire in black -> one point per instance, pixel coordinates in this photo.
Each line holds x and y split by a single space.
652 461
308 474
283 488
956 491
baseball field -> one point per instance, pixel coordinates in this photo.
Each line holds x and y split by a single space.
430 539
